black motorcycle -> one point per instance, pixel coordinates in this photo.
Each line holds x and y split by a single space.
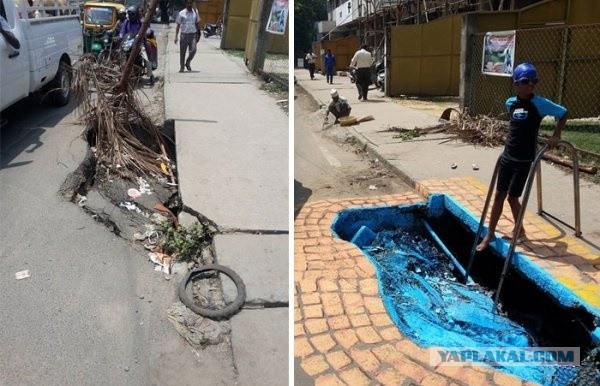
139 65
213 30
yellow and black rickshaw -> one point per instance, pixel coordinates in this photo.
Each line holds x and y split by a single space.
97 19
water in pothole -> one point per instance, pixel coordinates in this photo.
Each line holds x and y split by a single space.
421 286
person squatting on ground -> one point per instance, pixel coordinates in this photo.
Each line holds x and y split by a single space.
329 60
132 27
310 60
338 106
362 61
189 22
526 111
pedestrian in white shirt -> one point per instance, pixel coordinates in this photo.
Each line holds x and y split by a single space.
362 61
310 59
188 21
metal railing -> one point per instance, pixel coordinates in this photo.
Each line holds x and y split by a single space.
576 199
535 166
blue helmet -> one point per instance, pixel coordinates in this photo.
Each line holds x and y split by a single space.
525 71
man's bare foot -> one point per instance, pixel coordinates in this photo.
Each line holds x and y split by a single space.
483 244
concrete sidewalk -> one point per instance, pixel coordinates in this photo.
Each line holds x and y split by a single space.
431 156
232 158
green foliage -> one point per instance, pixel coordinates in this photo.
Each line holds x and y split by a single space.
185 243
236 53
584 140
306 13
407 135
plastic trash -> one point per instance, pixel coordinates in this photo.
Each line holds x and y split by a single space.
475 167
134 193
130 206
372 187
453 166
22 274
162 262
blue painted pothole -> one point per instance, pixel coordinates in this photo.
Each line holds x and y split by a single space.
418 251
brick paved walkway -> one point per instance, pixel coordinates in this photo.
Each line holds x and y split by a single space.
342 333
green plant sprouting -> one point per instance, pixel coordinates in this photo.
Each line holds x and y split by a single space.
185 243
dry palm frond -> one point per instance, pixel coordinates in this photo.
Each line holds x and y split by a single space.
479 130
127 142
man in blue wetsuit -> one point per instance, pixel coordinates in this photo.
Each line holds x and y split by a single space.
526 113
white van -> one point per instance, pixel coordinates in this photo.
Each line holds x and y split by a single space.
51 40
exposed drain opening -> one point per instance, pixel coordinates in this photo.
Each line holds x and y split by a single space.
129 204
430 305
523 301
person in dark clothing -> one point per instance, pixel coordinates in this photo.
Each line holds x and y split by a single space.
526 112
164 12
329 60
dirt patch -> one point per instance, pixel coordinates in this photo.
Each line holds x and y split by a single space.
434 106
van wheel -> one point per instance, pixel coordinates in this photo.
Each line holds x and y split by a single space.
61 85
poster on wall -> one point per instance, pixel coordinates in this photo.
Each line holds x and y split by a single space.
498 53
278 17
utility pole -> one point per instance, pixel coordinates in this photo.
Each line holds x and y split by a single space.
261 36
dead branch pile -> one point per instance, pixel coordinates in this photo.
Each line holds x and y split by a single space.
117 121
479 130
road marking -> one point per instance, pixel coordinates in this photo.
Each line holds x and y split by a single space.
330 158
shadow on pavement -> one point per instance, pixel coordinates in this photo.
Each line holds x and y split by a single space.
301 195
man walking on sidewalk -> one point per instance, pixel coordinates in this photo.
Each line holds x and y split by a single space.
362 61
189 22
310 60
329 60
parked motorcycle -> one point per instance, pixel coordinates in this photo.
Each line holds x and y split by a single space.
213 29
380 83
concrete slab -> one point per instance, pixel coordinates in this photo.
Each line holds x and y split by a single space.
260 260
260 346
238 180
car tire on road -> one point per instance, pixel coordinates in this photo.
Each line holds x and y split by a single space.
60 86
222 313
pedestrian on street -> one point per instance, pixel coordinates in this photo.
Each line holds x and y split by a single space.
362 61
310 60
329 59
189 22
164 11
526 113
338 106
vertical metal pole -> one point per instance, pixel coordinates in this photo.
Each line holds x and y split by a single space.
483 215
576 197
518 224
538 181
563 65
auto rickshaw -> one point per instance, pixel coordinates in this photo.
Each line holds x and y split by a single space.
98 19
